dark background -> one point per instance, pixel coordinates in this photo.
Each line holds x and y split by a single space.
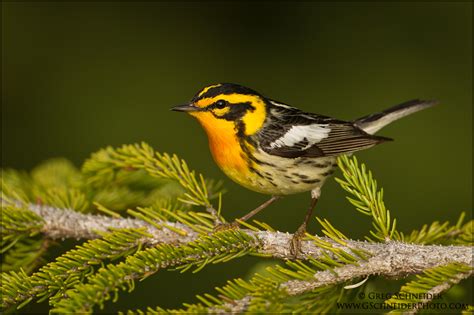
81 76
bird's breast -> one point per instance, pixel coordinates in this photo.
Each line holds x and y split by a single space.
259 171
225 146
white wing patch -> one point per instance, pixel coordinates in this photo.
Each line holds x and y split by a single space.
312 133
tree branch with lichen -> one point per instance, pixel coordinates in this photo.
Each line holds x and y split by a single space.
158 214
391 256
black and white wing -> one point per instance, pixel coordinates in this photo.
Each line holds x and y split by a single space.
292 133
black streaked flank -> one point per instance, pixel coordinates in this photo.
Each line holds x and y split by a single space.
246 153
260 162
311 181
255 171
312 163
330 172
269 178
302 176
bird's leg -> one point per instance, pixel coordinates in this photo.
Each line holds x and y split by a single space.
235 224
295 243
259 208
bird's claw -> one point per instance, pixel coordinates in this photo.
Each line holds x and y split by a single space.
226 226
295 242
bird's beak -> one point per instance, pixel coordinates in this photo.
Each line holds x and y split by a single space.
186 108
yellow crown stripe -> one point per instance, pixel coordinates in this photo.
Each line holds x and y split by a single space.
207 88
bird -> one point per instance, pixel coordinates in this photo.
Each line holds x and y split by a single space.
276 149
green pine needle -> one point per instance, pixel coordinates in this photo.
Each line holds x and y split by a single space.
358 181
430 283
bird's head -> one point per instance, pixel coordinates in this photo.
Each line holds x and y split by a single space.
227 107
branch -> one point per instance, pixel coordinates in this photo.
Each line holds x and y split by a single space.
392 259
185 239
437 290
66 223
389 258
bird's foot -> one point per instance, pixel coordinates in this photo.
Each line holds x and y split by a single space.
295 242
226 226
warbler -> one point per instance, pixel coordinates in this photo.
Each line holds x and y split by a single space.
276 149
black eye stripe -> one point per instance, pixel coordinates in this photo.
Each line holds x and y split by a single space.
237 111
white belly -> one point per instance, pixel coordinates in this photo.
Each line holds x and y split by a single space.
284 176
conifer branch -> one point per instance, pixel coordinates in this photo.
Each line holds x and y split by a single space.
392 258
437 290
66 223
162 230
109 280
318 291
431 283
104 165
53 279
396 260
367 198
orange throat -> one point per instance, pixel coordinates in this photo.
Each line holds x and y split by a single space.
225 146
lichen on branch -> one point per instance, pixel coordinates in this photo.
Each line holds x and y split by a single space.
138 211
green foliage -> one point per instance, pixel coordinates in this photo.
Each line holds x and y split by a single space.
110 165
321 300
17 185
134 181
201 222
26 253
431 283
219 247
358 181
469 310
117 179
21 244
52 280
368 199
17 224
436 233
266 293
56 182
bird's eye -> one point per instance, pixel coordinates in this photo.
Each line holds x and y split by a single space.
220 104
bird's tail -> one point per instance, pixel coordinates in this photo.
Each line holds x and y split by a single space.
374 122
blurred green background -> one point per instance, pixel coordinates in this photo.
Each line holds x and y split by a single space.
81 76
